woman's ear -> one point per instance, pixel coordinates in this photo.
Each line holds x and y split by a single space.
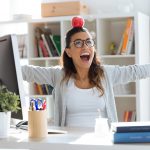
68 52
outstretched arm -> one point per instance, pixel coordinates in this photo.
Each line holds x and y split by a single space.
125 74
40 75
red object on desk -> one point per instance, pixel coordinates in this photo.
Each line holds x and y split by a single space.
44 105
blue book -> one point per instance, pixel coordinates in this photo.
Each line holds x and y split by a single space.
131 137
130 127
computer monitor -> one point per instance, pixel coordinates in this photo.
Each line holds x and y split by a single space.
10 71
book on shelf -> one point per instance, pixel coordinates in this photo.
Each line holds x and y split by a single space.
130 44
126 34
43 89
131 137
53 49
56 42
120 46
122 127
38 45
46 44
40 53
49 89
53 46
125 46
38 89
43 48
129 115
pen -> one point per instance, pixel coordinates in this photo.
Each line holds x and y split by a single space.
37 104
32 107
44 105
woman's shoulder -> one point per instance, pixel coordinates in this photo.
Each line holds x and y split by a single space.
57 69
109 68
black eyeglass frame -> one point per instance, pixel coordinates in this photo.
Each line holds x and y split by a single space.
83 42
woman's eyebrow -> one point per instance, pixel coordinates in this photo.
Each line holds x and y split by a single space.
82 39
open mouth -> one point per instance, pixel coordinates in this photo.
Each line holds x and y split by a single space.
85 56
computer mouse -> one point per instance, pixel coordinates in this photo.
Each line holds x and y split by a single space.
21 123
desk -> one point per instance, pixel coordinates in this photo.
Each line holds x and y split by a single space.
75 139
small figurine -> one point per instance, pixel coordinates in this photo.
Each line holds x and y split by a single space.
112 48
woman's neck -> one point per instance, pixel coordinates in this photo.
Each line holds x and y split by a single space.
81 77
82 80
82 74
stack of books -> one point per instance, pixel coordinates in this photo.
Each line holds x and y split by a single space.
130 132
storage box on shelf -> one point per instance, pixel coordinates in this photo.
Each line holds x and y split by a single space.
107 29
63 8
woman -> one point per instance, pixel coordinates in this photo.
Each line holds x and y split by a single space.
82 86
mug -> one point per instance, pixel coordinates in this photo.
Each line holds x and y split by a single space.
101 127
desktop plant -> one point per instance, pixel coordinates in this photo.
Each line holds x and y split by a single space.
9 101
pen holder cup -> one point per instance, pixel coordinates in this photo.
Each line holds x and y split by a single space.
37 124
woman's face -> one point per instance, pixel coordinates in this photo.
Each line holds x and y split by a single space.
81 50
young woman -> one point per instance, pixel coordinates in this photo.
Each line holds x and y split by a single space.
82 85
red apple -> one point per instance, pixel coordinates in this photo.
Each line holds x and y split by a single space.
77 21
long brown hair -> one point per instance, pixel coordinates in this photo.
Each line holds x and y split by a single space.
96 72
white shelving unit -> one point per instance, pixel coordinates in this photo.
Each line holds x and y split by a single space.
135 95
111 29
20 29
107 28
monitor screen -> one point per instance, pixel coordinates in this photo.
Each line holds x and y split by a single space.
10 71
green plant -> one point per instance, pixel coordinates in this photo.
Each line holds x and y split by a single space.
9 101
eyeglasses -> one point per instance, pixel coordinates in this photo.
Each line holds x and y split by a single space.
80 43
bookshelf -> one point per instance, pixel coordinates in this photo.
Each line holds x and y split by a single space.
107 29
133 96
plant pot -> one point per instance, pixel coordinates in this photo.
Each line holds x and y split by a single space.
4 124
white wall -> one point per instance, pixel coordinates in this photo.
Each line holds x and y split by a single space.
108 5
9 7
4 10
30 7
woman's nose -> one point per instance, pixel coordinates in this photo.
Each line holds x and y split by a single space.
84 44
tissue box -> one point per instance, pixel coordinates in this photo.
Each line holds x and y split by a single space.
63 8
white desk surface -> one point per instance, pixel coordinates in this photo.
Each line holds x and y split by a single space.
74 139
